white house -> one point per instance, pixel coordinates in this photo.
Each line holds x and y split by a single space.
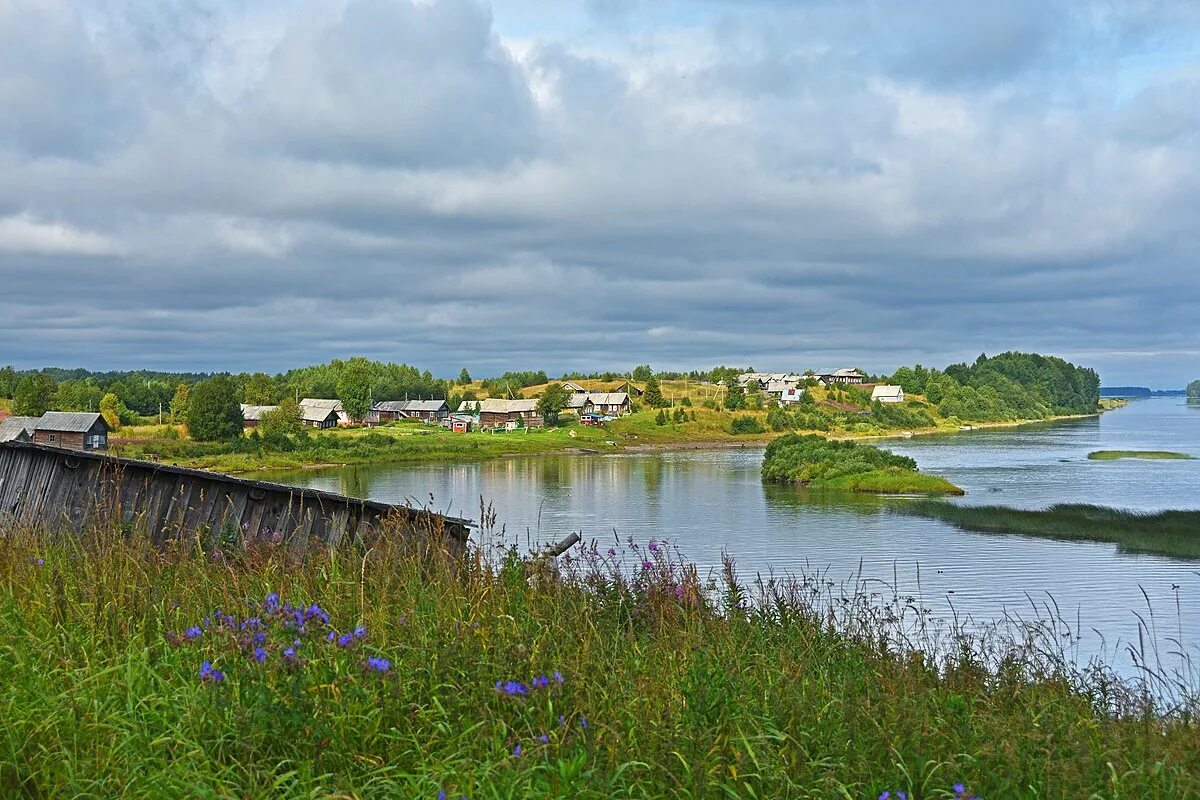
887 394
790 396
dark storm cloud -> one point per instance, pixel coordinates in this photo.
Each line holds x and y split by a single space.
777 184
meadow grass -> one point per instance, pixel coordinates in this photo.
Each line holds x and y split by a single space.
127 671
1114 455
1169 533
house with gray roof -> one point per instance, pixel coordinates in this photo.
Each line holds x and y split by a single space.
74 430
17 429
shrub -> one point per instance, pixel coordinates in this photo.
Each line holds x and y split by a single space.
745 425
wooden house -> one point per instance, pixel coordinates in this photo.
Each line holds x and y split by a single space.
496 414
73 430
573 388
844 375
335 406
252 415
424 410
17 429
316 414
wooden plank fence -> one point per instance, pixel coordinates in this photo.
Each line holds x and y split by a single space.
57 488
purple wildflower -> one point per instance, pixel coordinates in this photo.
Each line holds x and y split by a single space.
511 688
345 640
289 655
612 551
558 678
647 565
314 612
271 604
561 720
39 562
259 638
544 739
885 795
583 723
379 664
441 795
332 635
960 789
679 591
193 633
653 546
517 751
260 654
540 682
208 673
360 632
276 537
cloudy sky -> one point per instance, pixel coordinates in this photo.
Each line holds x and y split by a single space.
243 184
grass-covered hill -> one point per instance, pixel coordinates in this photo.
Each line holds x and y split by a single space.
819 463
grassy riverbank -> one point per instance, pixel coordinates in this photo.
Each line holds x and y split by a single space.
411 441
1170 533
818 463
653 687
1153 455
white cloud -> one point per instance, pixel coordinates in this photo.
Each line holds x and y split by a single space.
22 234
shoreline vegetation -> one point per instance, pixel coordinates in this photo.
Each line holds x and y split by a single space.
1168 533
1153 455
380 669
677 410
814 462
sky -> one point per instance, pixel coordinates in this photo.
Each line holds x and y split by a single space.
263 184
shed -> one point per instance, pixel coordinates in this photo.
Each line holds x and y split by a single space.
73 430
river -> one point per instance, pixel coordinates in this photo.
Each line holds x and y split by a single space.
705 502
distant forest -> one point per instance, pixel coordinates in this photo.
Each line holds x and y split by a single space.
1004 387
1139 391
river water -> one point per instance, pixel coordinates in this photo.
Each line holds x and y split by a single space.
705 502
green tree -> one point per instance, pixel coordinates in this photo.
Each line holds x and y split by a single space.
213 411
8 381
661 418
110 408
735 397
354 388
653 396
260 390
1193 391
464 377
179 403
33 395
552 402
643 373
283 420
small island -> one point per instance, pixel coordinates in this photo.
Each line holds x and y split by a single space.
1116 455
815 462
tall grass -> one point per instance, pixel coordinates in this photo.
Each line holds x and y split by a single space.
1169 533
670 686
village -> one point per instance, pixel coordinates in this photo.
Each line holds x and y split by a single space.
587 406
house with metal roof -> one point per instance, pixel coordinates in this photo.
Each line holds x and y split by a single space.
426 410
320 414
607 404
252 415
844 375
17 429
497 414
74 430
887 394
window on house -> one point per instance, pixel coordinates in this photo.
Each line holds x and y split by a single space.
52 438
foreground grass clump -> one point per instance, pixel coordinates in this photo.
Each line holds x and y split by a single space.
1114 455
384 672
1169 533
821 463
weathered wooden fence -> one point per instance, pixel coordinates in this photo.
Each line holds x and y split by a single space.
56 488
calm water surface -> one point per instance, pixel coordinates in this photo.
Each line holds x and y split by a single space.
706 502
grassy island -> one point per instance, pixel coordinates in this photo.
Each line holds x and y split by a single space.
128 671
820 463
1169 533
1116 455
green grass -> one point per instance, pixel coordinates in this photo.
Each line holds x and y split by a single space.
1114 455
818 463
686 693
1169 533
